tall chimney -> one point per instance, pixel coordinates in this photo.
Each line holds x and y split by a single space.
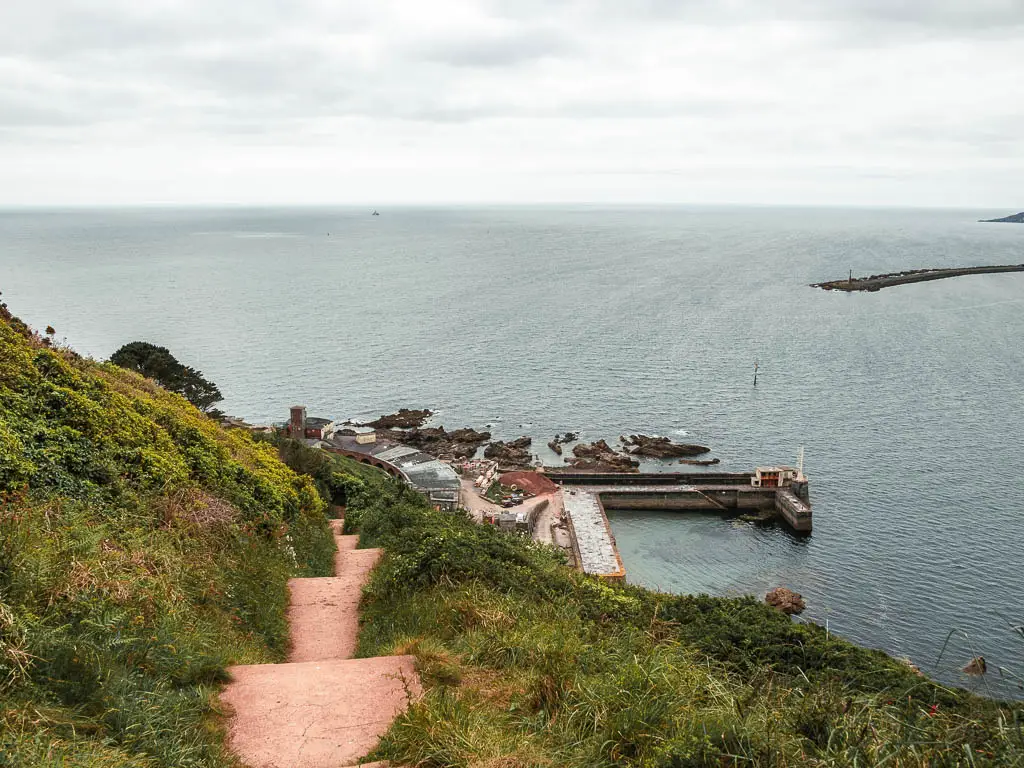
297 424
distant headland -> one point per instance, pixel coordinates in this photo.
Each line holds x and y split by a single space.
1017 218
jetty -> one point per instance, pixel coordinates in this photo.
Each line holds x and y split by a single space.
878 282
780 493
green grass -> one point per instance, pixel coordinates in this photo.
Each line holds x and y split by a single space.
143 550
528 663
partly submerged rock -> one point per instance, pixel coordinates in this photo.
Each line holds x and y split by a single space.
437 441
560 440
976 666
405 419
600 457
786 600
700 462
660 447
514 453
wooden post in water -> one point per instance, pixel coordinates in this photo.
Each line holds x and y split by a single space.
755 373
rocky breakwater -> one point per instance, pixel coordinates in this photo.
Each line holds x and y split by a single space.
601 457
660 447
878 282
513 454
437 441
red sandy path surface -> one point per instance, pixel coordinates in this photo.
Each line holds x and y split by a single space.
323 613
323 709
532 482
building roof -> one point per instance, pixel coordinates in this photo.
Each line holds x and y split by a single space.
422 470
316 422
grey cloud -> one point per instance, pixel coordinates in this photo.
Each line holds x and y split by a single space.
607 72
955 17
505 49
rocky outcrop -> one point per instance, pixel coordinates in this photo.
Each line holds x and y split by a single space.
976 666
514 453
560 440
660 447
600 457
404 419
459 443
700 462
786 600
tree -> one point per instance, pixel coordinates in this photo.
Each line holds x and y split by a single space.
159 364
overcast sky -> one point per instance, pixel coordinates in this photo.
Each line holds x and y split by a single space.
888 102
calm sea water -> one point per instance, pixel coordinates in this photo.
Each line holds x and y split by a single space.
909 401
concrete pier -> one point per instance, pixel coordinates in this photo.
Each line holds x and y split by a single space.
586 496
592 541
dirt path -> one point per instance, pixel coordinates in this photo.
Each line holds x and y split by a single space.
476 503
322 709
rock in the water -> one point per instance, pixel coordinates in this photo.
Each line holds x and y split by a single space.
660 447
600 457
560 440
459 443
786 600
976 666
514 453
404 419
700 462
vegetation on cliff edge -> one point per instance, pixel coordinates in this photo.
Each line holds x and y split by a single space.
143 549
528 663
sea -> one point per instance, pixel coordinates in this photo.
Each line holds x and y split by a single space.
908 403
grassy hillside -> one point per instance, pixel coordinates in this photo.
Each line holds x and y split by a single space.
142 550
528 663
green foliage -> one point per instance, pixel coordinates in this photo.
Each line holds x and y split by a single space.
143 549
159 364
527 663
337 478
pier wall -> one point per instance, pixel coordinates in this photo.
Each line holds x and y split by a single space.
707 500
793 510
649 478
